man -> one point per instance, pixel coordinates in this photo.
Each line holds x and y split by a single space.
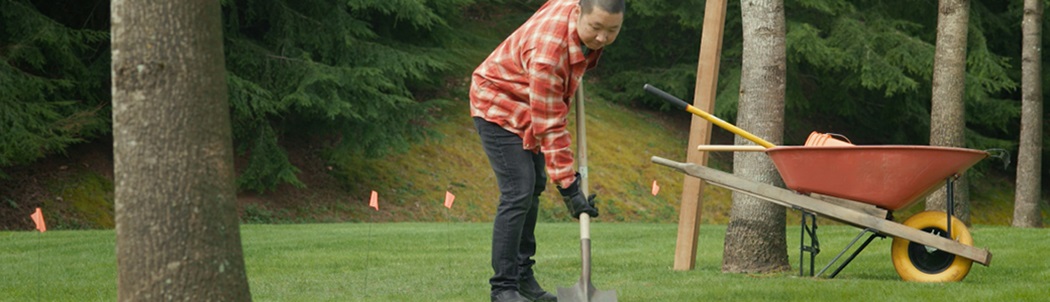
519 98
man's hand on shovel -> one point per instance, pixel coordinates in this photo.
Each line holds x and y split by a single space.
575 202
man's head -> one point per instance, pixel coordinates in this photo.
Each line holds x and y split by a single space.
600 22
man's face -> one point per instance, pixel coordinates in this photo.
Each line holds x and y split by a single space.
598 28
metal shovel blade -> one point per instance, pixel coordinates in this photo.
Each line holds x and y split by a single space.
584 291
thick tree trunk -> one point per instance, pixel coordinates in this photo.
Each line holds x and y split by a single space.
177 230
755 238
948 112
1029 159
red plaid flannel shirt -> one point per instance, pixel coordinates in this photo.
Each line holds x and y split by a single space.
526 84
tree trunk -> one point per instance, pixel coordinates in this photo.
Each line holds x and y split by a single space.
755 239
177 230
948 112
1029 158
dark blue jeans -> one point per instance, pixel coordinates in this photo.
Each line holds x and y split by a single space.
521 176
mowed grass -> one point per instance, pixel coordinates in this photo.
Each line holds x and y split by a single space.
450 262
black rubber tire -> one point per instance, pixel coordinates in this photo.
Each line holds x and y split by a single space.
914 262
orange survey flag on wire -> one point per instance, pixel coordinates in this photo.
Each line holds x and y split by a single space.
38 218
374 202
449 198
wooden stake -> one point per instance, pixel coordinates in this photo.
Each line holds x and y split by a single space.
700 133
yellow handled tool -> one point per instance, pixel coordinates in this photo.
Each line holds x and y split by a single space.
711 118
732 148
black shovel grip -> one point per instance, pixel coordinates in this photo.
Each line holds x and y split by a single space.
667 96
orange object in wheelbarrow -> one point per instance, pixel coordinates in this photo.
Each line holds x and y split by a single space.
888 176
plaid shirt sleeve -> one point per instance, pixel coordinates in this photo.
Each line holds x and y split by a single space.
548 75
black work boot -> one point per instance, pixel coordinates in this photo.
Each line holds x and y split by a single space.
530 289
507 296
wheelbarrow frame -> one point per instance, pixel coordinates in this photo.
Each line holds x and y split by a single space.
790 199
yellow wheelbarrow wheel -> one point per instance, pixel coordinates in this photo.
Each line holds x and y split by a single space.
917 262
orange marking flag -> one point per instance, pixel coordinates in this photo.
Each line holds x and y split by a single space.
38 218
449 198
656 188
374 202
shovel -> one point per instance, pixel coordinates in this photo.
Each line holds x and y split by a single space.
584 290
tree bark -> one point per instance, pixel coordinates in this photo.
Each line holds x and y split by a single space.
1029 158
177 230
948 111
755 239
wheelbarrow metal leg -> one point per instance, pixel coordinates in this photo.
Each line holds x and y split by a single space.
854 254
950 192
814 244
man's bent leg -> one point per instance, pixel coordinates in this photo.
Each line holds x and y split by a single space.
527 284
528 236
515 174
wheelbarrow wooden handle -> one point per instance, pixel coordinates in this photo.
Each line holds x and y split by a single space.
711 118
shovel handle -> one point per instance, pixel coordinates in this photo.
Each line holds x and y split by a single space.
585 250
581 140
711 118
675 101
585 226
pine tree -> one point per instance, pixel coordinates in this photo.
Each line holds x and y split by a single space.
342 70
52 78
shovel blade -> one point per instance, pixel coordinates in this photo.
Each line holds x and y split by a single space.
585 293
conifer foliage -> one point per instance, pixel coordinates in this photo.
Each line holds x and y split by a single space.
342 70
353 74
53 80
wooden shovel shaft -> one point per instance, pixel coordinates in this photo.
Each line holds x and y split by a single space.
581 140
585 248
581 157
581 163
584 290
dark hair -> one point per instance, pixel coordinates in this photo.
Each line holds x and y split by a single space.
610 6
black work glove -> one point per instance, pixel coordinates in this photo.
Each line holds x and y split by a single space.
575 202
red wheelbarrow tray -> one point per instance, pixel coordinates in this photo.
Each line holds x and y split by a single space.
892 177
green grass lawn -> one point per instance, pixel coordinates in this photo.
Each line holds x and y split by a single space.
450 262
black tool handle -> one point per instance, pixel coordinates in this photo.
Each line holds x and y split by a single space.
667 96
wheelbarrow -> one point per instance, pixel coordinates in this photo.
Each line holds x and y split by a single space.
861 186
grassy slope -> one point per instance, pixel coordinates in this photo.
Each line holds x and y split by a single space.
621 140
449 262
